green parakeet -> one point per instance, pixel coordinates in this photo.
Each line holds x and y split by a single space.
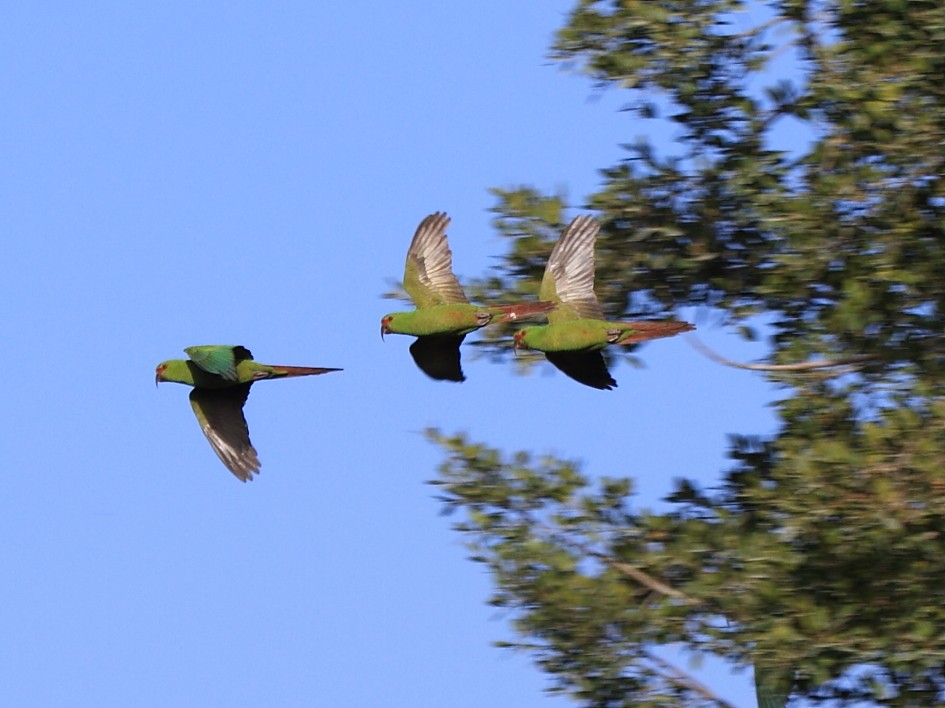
221 376
576 329
443 316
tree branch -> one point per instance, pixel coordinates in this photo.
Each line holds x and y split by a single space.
801 366
631 571
644 578
681 678
758 29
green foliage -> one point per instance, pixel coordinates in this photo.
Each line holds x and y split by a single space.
840 238
810 561
821 556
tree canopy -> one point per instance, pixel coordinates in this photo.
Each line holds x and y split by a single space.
820 556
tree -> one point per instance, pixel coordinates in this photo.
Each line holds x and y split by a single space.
821 557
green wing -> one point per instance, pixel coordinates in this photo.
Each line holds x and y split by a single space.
428 274
219 412
219 359
569 275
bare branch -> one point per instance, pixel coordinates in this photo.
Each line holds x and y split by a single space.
631 571
801 366
644 578
681 678
758 29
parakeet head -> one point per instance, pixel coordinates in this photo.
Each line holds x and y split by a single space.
174 370
159 372
396 323
520 339
385 324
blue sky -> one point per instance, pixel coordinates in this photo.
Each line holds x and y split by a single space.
252 174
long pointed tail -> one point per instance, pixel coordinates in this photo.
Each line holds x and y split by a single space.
300 370
521 311
643 331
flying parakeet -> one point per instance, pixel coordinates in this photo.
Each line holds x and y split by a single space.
576 329
443 316
221 376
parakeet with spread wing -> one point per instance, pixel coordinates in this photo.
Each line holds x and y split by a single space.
576 329
443 316
221 376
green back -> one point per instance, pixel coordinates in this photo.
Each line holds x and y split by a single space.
219 359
